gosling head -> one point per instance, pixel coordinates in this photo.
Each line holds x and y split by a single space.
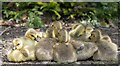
63 36
56 25
18 44
88 29
106 38
74 26
80 29
32 34
40 35
95 35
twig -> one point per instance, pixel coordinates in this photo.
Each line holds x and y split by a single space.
4 30
115 33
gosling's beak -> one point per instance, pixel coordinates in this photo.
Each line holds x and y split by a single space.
89 38
36 39
14 48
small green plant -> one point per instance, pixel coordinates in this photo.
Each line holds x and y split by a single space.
52 7
34 21
95 12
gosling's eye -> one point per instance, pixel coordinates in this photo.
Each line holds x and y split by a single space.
84 31
80 35
18 44
32 35
58 34
38 37
70 29
91 34
52 25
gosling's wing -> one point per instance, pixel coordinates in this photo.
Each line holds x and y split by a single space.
24 52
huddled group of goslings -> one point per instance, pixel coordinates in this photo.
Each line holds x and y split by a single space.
56 43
